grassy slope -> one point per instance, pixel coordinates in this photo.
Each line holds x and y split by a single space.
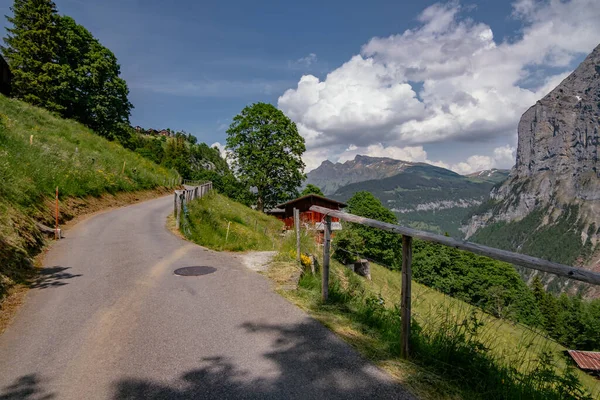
248 229
511 344
64 154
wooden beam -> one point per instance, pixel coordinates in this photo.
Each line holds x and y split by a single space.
297 228
405 305
522 260
325 272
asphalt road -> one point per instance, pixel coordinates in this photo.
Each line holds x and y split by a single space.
109 320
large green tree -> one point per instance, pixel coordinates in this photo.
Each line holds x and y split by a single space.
266 153
31 47
95 94
59 65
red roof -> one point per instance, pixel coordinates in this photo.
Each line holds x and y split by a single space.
588 360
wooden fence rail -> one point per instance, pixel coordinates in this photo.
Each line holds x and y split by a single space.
182 197
408 234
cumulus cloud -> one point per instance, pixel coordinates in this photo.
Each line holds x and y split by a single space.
448 79
502 157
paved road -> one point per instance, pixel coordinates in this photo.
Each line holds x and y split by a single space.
110 320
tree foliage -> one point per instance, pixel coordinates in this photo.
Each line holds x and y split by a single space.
267 153
59 65
31 48
378 245
494 286
311 189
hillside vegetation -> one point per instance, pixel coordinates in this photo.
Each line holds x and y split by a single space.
209 218
459 351
62 154
425 197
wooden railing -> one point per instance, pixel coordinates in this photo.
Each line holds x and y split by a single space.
183 197
408 234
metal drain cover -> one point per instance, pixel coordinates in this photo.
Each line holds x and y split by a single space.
194 271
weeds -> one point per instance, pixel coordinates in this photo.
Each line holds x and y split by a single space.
220 223
452 345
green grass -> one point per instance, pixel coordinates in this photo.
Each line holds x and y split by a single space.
458 351
209 217
62 153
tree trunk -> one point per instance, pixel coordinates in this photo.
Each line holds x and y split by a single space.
260 206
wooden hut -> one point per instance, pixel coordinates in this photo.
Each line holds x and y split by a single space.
310 219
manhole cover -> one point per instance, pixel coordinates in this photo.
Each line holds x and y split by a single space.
194 271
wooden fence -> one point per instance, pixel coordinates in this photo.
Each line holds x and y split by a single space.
183 197
408 234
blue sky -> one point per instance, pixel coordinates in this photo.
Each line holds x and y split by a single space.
192 65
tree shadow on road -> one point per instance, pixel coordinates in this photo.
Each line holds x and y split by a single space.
309 363
28 387
52 277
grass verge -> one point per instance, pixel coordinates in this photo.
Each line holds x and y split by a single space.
459 352
219 223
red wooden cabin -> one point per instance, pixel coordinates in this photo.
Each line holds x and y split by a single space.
310 219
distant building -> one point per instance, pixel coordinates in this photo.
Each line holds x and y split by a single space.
164 132
5 77
310 219
588 361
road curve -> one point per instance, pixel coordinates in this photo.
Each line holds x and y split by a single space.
108 319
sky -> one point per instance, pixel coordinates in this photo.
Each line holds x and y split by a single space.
437 82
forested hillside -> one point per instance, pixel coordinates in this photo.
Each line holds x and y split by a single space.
426 197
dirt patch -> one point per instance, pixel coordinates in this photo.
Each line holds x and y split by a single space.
257 260
72 211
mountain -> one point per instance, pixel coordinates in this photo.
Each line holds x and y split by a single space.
490 175
329 176
421 195
549 205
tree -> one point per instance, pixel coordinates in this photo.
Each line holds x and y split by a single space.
266 153
95 96
378 245
59 65
31 52
311 189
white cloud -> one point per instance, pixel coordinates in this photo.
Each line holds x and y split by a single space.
308 60
447 79
222 150
502 157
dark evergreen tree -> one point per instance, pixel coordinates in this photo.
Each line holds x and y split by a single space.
31 48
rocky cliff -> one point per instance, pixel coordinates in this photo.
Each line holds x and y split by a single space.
555 184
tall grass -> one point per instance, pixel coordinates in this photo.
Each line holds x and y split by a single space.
211 217
451 341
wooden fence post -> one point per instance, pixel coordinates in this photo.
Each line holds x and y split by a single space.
56 231
297 227
177 209
405 302
325 272
175 205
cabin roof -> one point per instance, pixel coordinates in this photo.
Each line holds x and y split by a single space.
311 198
588 360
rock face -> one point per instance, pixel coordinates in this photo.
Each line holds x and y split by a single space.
557 159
